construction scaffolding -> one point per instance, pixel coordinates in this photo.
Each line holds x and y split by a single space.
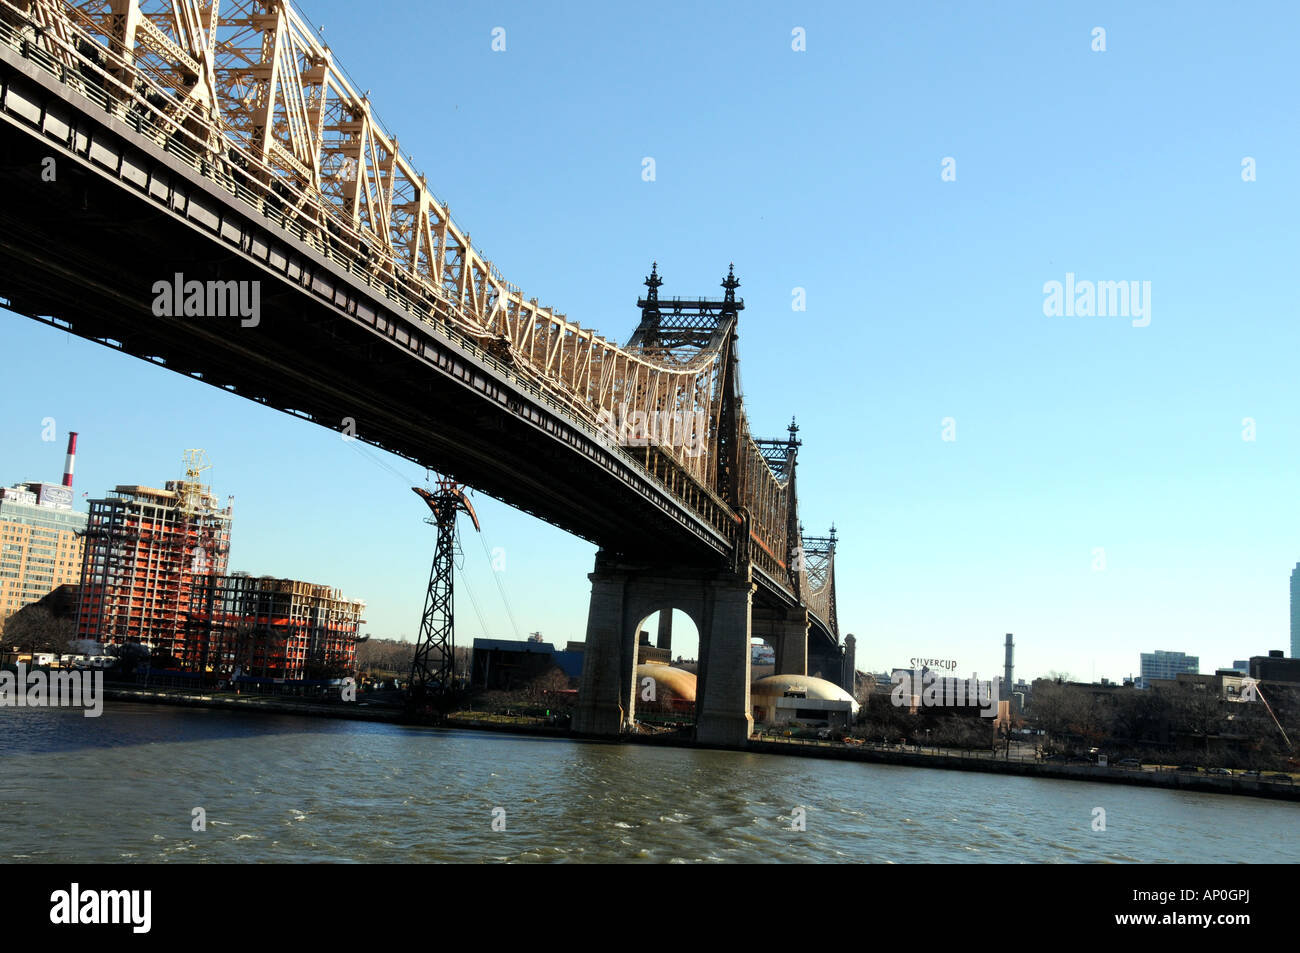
146 551
272 628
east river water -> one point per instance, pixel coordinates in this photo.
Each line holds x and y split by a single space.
124 788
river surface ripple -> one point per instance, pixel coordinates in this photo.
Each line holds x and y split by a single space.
123 788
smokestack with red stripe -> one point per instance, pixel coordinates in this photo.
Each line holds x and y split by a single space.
72 458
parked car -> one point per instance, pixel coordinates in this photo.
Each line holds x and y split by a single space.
1189 767
1279 777
1220 771
1128 763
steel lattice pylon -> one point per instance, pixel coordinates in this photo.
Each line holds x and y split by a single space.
433 667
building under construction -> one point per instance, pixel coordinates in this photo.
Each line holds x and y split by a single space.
155 572
272 628
145 551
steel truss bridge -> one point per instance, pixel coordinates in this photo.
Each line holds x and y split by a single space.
145 142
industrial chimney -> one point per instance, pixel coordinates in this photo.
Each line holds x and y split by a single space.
72 458
1008 666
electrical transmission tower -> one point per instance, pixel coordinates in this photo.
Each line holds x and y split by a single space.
433 668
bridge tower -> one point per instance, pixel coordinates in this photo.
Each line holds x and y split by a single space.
785 628
719 596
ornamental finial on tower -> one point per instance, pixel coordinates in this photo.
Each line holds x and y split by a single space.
654 281
794 430
832 536
730 283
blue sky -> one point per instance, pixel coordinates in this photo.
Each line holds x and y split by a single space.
821 170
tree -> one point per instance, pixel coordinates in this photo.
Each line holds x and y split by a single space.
1070 713
1139 715
1054 706
865 687
879 717
552 680
1093 718
36 629
1197 711
392 657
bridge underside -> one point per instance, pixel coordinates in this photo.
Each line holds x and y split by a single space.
86 249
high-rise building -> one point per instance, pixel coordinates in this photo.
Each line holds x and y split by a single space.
1162 664
145 549
1295 611
40 543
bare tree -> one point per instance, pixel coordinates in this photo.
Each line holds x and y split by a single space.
865 687
1138 716
36 629
553 680
392 657
1198 713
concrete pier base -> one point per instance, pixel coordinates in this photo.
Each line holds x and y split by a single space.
724 715
787 633
622 597
605 694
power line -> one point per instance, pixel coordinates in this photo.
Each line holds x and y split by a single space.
474 602
500 587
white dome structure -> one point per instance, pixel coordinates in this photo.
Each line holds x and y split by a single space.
779 699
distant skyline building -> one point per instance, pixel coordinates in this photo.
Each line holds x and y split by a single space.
1162 664
40 543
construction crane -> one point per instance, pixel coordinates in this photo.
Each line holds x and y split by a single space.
432 669
1259 693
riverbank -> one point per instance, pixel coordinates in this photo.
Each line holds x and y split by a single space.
1179 780
262 704
253 704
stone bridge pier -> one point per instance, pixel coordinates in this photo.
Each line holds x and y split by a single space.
787 632
623 595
